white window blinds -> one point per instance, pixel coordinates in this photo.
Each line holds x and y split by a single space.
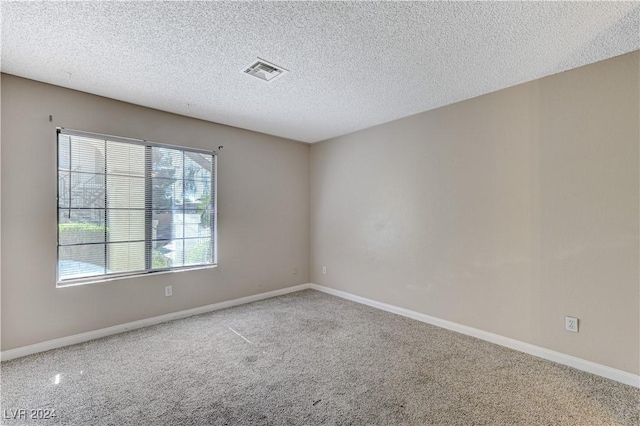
130 207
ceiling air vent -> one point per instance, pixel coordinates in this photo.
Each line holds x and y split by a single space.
264 70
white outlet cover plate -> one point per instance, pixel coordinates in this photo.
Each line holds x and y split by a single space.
168 291
571 324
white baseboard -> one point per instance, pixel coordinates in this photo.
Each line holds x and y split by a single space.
103 332
560 358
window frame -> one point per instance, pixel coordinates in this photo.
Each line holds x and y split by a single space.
61 283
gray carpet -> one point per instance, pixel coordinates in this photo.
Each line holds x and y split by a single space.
308 358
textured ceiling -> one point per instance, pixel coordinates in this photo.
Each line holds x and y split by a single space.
351 65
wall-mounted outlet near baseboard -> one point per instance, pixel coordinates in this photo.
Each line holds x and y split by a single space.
324 269
295 270
168 291
571 324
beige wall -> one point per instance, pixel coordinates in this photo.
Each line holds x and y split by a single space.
263 204
505 212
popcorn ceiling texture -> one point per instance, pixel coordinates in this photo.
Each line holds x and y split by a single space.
352 65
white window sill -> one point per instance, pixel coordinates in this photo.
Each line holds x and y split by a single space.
103 279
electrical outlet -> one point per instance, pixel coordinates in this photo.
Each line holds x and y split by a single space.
295 270
324 269
168 291
571 324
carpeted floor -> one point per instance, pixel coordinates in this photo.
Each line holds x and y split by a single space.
306 358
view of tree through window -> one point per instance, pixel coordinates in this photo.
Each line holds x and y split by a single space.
126 207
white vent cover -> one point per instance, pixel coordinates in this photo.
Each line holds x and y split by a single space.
264 70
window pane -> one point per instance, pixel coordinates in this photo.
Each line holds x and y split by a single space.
125 192
178 224
80 226
81 261
166 225
172 250
197 223
197 194
161 257
166 159
167 175
64 153
63 189
81 190
125 257
125 158
166 193
87 155
125 225
198 251
197 166
204 161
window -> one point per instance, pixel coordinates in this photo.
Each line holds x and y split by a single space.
128 207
